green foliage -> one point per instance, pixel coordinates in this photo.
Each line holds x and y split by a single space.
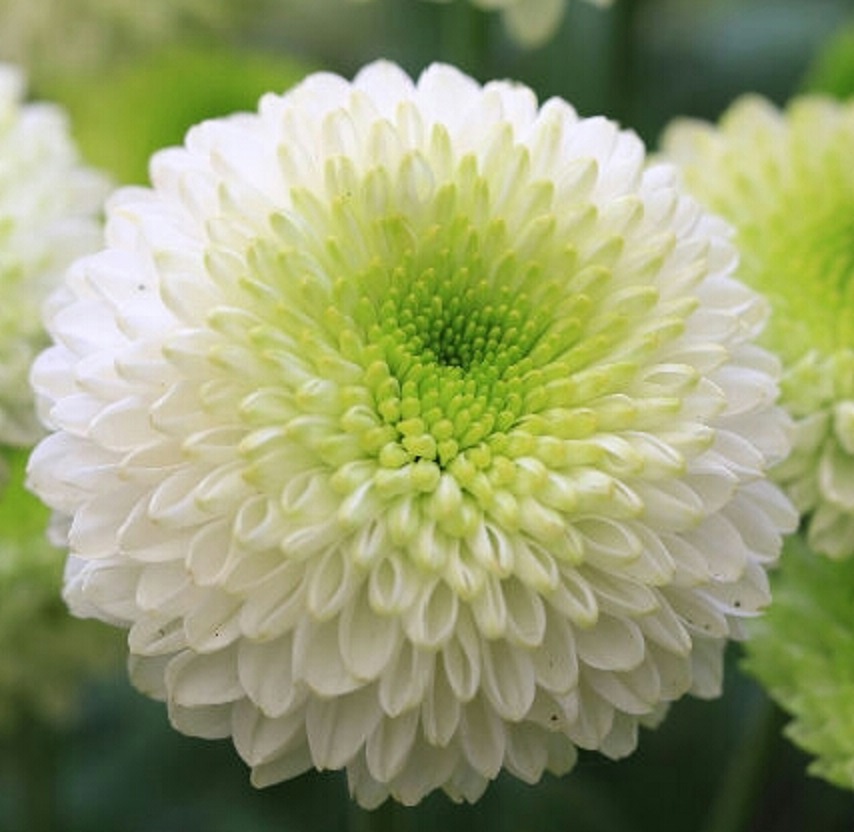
44 652
121 118
832 71
803 652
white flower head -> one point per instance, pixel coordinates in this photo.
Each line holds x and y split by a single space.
413 430
49 205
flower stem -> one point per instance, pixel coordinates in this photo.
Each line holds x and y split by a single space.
37 761
734 805
624 60
464 38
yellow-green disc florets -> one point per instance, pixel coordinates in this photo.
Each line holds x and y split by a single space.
785 182
414 429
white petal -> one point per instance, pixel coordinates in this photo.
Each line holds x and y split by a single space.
195 681
367 641
508 680
440 711
318 662
337 728
388 747
613 644
483 737
259 738
265 671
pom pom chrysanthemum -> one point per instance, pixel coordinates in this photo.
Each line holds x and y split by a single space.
784 180
49 205
413 430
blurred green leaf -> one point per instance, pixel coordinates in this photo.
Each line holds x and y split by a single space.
120 119
832 70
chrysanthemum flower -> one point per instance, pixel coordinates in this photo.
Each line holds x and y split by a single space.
785 181
49 204
803 652
416 431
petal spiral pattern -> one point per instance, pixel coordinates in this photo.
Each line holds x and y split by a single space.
416 430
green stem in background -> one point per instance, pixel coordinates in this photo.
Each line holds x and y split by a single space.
464 38
389 817
735 803
38 773
624 69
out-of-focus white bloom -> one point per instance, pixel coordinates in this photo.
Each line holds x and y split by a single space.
78 34
49 205
529 22
413 430
784 180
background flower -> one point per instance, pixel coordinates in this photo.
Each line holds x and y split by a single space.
784 181
411 439
45 654
803 652
48 216
49 205
53 37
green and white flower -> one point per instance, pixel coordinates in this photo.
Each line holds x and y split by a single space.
415 430
49 206
803 652
785 182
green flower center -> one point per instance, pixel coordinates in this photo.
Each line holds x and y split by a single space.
433 364
805 259
455 348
